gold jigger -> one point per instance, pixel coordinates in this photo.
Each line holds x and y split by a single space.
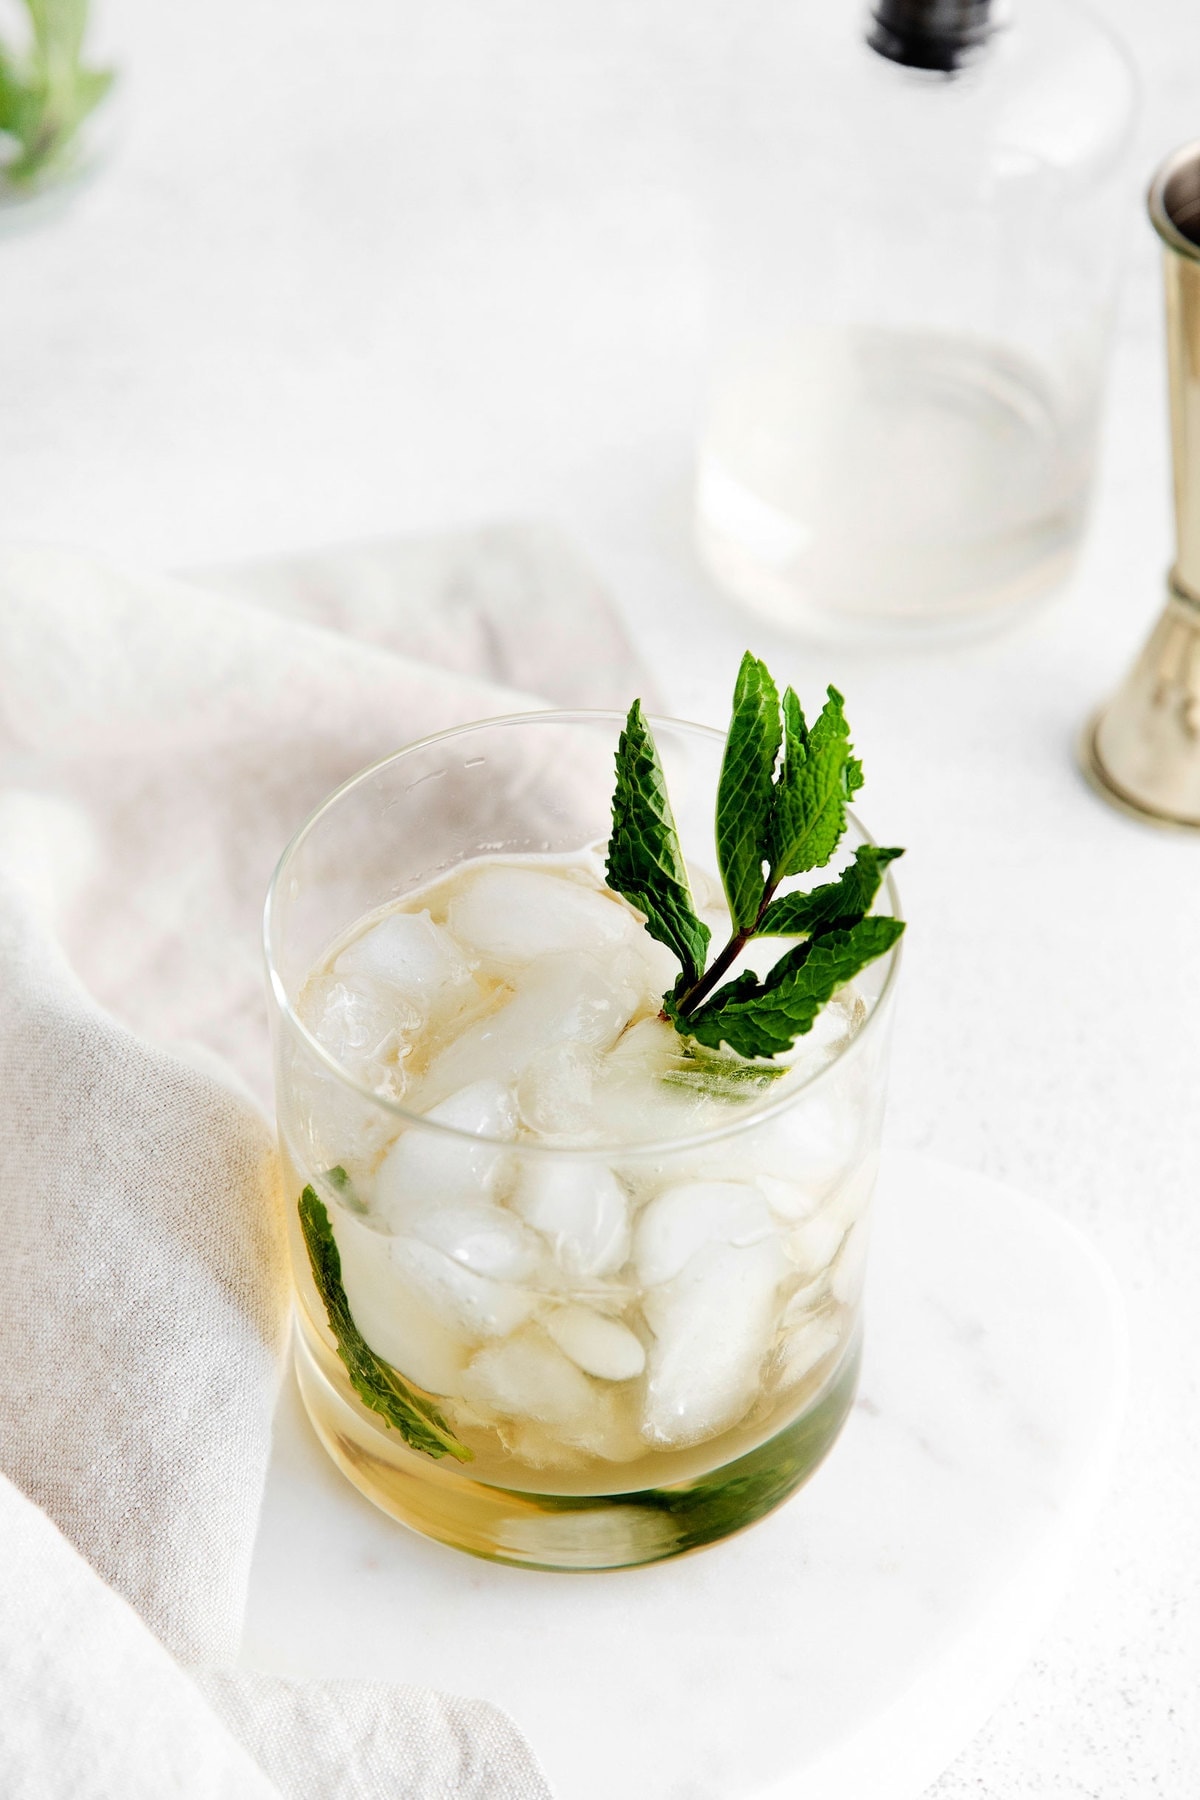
1142 751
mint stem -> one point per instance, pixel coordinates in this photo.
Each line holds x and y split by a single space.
700 990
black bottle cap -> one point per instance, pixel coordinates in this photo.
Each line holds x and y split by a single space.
929 34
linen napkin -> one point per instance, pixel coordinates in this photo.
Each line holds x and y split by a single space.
159 742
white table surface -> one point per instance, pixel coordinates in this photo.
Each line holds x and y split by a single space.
362 270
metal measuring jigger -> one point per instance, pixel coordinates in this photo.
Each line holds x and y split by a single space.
1142 751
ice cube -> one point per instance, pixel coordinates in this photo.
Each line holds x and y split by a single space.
650 1048
538 1446
473 1305
391 1313
594 858
850 1267
829 1033
583 1210
423 1167
809 1298
812 1144
680 1221
807 1346
813 1244
610 1429
484 1238
416 960
364 1028
850 1200
486 1109
713 1325
528 1377
555 1092
601 1346
512 916
330 1123
561 999
786 1199
659 966
633 1098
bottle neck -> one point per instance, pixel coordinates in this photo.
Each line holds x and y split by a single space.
929 34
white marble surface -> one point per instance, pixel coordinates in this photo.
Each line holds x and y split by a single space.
366 270
848 1645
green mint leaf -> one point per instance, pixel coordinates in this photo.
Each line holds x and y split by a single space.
376 1383
337 1180
719 1076
745 791
645 862
818 775
763 1018
834 905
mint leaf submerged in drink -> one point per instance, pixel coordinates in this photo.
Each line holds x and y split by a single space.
781 811
376 1383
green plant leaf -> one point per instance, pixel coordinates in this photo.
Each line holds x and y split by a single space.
833 905
20 105
340 1184
376 1383
763 1018
91 85
745 793
10 92
817 776
44 100
719 1075
645 862
58 28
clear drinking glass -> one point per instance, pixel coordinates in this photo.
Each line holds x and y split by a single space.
752 1342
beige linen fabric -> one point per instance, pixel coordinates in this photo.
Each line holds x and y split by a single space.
159 742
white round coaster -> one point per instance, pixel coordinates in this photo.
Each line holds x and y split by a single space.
849 1645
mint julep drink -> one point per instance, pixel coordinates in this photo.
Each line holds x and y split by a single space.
580 1078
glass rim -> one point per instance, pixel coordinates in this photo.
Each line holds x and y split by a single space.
747 1117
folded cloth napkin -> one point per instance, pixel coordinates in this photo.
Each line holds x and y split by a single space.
159 742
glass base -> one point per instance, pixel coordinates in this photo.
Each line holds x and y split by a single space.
573 1531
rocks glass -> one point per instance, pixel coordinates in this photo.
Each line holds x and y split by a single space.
633 1304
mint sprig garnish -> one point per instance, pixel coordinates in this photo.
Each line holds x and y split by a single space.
376 1383
781 811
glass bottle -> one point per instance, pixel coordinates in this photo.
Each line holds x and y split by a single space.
916 237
